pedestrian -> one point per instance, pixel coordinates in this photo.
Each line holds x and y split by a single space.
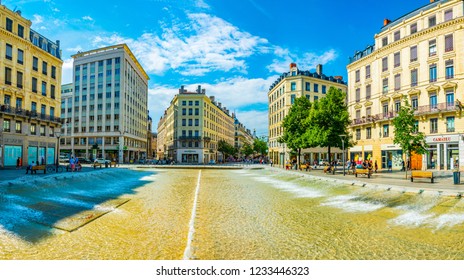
29 167
402 166
271 162
389 165
376 167
18 163
43 161
71 163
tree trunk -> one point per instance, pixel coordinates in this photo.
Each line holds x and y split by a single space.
299 155
328 150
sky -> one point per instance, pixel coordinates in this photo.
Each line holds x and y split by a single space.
235 49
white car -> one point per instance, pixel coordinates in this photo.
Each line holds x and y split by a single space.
102 161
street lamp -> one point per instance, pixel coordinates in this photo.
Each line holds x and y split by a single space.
342 137
57 135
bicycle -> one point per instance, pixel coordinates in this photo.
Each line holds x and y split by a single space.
53 168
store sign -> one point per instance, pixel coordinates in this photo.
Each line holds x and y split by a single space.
441 139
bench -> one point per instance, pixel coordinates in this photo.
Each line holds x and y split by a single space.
421 174
363 171
38 167
77 167
113 164
288 166
95 164
306 167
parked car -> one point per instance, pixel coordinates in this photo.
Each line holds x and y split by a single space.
84 160
102 160
64 159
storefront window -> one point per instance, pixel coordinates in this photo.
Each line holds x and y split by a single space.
452 155
12 153
395 157
432 157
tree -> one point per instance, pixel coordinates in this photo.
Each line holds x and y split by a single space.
295 125
225 148
260 146
328 118
247 149
407 133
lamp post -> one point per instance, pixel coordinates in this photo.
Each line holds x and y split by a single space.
57 135
342 137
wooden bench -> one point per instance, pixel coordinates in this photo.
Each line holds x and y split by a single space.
363 172
95 164
113 164
421 174
38 167
288 166
306 167
77 167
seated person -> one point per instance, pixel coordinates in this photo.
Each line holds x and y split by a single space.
29 167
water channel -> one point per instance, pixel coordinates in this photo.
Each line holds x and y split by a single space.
221 214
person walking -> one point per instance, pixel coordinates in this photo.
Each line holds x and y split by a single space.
376 166
18 163
389 165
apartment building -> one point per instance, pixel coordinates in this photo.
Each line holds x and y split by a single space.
30 86
242 136
282 94
192 126
418 57
107 114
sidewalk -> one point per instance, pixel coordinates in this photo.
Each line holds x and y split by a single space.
9 174
443 183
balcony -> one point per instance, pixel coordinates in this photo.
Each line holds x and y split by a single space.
435 108
7 109
189 138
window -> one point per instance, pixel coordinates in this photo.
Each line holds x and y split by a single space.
43 110
190 122
386 130
316 88
433 73
449 15
449 69
358 95
414 102
52 92
20 56
324 89
450 99
197 103
308 97
397 81
197 122
432 47
197 112
184 111
44 88
413 53
20 31
184 103
316 98
190 111
432 21
19 103
450 124
35 63
384 64
190 103
397 105
384 41
34 107
42 130
357 75
413 28
7 76
358 134
434 125
308 86
385 109
33 129
358 114
368 92
385 85
34 85
44 67
368 132
416 126
433 101
293 86
19 79
7 99
396 59
292 99
9 25
396 36
6 125
53 72
449 43
52 111
413 77
368 71
9 52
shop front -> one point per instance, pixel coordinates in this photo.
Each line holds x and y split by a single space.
356 154
392 157
189 156
443 152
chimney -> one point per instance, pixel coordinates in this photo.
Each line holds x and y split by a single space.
181 90
199 89
219 104
211 98
319 69
203 91
431 1
338 78
293 64
387 21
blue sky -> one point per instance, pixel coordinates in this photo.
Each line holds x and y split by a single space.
233 48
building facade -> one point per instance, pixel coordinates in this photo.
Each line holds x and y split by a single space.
192 126
30 86
242 136
107 114
281 95
417 57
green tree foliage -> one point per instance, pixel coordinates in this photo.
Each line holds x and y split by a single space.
328 118
260 146
247 149
226 149
407 134
295 125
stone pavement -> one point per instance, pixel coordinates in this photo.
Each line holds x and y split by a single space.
443 184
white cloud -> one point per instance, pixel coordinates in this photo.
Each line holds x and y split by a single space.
37 19
202 4
89 18
67 70
75 49
254 120
205 44
305 61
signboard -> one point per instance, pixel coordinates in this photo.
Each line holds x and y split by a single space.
442 138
